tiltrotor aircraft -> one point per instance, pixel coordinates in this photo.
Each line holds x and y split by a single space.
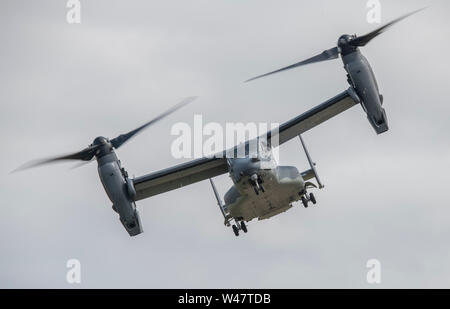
261 189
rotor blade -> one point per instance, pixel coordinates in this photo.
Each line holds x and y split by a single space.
119 140
364 39
329 54
81 164
84 155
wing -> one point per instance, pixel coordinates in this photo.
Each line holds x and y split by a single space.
313 117
179 176
197 170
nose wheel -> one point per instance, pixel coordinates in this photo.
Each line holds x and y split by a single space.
256 182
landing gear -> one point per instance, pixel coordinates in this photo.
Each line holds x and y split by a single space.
243 227
235 230
256 182
256 190
239 226
305 202
312 198
306 198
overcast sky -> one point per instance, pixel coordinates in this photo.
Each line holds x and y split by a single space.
61 85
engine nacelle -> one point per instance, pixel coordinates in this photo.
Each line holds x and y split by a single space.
117 186
380 125
362 80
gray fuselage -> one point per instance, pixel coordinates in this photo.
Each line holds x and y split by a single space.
282 186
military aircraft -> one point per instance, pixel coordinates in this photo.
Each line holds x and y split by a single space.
261 189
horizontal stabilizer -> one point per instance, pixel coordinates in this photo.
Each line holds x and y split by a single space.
313 170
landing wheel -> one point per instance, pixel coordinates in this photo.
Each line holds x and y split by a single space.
243 227
305 202
312 198
235 230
